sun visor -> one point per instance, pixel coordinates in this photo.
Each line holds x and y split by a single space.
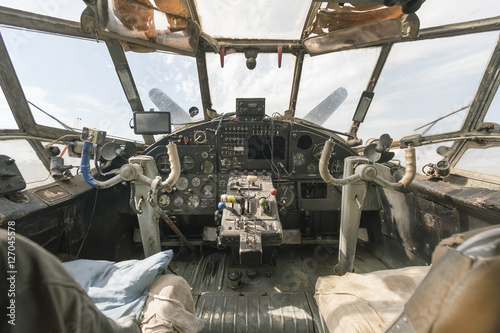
163 22
338 27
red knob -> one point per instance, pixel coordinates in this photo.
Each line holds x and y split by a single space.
273 191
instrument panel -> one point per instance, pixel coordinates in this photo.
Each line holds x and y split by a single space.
210 151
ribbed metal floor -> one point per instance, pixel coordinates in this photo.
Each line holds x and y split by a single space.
271 298
284 312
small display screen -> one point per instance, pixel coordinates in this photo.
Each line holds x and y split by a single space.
261 146
152 122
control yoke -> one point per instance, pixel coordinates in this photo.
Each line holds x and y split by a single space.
366 172
357 172
141 171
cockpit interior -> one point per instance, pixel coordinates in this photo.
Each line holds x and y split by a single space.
208 132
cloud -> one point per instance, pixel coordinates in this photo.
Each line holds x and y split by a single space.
80 98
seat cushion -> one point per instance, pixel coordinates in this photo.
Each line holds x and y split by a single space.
170 307
119 288
365 303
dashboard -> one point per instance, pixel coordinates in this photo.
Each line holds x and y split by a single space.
211 152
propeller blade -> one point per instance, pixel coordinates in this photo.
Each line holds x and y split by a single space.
327 107
165 103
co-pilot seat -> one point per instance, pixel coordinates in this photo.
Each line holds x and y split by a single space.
459 293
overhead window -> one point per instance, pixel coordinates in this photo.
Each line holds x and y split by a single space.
280 19
63 9
435 13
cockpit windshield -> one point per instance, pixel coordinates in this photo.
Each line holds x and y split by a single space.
195 58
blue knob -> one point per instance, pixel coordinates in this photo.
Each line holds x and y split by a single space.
221 205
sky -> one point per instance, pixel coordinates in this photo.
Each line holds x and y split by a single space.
75 80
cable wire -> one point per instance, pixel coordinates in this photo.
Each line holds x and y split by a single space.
90 224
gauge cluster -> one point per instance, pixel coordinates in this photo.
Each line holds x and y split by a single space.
209 151
307 147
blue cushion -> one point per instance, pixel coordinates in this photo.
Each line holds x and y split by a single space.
119 289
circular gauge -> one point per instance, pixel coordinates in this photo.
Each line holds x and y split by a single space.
182 183
337 167
312 168
299 159
207 190
163 163
163 201
188 162
193 200
200 137
317 151
195 182
207 167
178 201
286 195
204 154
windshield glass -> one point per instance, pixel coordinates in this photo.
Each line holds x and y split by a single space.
325 74
481 161
8 121
63 9
166 77
70 79
493 114
280 19
235 80
424 81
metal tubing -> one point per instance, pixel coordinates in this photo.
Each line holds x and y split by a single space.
175 166
172 225
353 196
325 173
148 218
85 170
408 176
410 167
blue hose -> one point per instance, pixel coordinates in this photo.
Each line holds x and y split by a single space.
85 164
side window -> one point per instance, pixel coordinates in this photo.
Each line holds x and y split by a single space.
481 160
33 171
70 79
8 121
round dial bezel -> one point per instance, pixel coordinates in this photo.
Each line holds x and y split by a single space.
207 164
182 183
